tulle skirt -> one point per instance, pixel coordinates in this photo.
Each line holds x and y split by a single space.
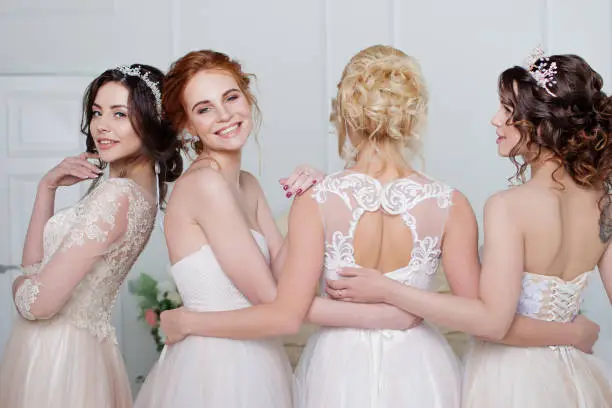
534 377
202 372
349 368
57 365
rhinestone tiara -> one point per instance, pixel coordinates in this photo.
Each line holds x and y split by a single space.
153 86
542 70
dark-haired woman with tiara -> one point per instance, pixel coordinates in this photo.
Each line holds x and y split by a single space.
63 351
543 239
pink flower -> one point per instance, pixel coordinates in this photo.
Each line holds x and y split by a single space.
150 317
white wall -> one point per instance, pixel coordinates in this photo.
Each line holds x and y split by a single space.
297 50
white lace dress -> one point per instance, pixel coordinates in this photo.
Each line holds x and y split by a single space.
69 358
534 377
353 368
207 372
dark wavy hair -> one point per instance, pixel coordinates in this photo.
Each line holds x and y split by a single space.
159 140
573 124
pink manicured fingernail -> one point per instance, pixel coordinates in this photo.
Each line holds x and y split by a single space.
285 187
289 195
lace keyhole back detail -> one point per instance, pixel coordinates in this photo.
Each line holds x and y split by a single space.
422 203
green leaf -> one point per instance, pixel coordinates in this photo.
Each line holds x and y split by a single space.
146 288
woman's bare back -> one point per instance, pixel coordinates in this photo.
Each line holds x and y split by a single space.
560 227
392 224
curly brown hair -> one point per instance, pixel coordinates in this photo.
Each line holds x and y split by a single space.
573 124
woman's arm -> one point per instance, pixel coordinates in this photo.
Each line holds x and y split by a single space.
462 268
605 271
215 209
296 287
333 313
490 316
41 295
299 182
582 333
44 207
327 312
70 171
265 219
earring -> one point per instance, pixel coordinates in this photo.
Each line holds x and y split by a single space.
187 137
157 171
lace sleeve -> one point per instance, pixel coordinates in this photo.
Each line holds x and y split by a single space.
101 221
30 269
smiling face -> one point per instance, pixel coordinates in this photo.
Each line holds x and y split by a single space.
110 125
217 111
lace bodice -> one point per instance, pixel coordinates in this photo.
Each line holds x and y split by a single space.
551 298
204 286
83 235
422 204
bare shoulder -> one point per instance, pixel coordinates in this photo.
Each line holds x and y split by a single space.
248 178
461 217
500 201
509 206
303 207
201 183
523 199
304 219
249 182
460 201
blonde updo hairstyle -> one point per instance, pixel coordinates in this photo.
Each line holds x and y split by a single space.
382 100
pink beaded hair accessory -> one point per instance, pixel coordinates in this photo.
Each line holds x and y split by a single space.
542 70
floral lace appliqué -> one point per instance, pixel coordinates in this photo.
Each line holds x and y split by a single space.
25 296
90 305
361 193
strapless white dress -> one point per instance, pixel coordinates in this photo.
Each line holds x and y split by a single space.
206 372
502 376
